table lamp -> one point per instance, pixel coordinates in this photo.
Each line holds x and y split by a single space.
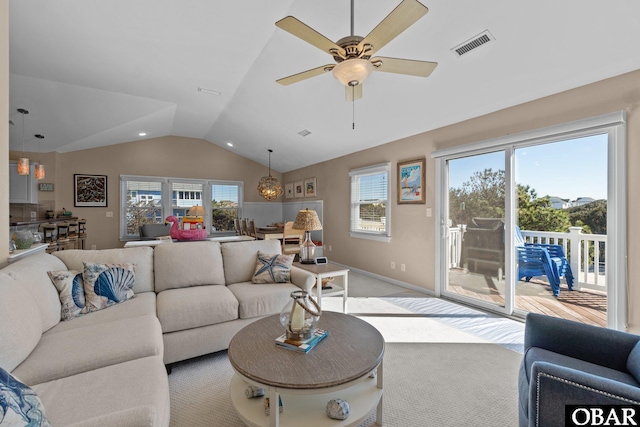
197 210
308 221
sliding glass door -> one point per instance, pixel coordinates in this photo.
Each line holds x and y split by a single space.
503 202
475 228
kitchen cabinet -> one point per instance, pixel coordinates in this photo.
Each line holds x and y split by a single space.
22 188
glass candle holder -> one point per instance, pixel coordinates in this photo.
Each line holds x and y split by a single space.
300 316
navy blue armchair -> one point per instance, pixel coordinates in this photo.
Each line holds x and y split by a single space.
570 363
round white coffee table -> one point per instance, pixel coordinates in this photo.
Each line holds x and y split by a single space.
340 366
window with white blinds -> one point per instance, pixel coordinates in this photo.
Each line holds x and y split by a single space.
370 210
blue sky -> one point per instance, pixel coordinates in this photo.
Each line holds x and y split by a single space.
567 169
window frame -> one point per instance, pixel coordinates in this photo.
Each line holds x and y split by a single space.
166 184
355 203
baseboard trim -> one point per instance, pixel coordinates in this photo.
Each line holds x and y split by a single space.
389 280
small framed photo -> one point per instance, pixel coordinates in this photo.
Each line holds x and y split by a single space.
45 186
90 190
411 177
288 191
298 189
310 187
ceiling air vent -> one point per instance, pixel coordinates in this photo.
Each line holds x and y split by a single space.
475 42
304 132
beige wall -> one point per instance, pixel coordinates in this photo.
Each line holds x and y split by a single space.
4 130
413 233
165 156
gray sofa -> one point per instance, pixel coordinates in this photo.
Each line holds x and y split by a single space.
570 363
108 367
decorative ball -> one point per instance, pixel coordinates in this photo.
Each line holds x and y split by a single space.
338 409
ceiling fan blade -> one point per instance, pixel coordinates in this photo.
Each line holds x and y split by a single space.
401 18
285 81
403 66
353 92
308 34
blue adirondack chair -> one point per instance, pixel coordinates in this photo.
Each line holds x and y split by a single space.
537 259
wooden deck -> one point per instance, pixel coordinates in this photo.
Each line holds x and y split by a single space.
536 297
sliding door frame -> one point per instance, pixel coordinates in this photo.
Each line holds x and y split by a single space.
614 125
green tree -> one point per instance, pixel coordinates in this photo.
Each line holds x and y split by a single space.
484 194
223 213
592 216
139 213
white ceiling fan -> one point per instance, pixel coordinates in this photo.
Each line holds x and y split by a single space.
353 54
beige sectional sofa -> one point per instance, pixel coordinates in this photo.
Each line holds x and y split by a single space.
108 367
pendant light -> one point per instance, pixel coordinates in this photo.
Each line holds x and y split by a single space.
39 166
269 187
23 162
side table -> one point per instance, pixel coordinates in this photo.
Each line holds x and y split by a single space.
328 270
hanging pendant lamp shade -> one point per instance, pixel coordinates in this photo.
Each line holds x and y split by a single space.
23 162
23 166
269 187
39 166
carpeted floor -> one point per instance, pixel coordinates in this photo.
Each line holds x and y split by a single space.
425 384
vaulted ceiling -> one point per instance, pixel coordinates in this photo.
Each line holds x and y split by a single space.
96 72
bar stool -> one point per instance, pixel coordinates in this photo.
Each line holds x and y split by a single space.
49 236
82 233
73 234
63 236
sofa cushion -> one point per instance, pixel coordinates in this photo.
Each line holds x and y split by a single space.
71 352
261 300
188 308
70 287
188 264
107 284
20 323
240 258
143 304
31 273
142 257
137 388
272 268
20 404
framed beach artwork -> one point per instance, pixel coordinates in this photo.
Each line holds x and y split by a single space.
90 190
298 188
288 191
310 187
411 181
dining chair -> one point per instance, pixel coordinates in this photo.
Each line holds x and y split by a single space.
291 239
236 224
243 224
252 229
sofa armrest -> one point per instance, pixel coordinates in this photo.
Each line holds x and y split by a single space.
302 278
552 387
134 417
594 344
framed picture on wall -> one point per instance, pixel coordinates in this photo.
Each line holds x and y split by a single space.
298 188
310 187
411 182
288 191
90 190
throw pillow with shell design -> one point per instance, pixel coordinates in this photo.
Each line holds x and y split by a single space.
107 284
70 288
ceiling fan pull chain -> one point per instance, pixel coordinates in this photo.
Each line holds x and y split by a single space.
353 105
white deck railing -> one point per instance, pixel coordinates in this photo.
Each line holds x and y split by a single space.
584 252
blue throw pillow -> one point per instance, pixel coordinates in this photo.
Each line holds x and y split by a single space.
20 406
107 284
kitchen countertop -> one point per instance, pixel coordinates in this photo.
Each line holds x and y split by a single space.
15 222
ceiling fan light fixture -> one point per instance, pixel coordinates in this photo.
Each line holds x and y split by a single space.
352 72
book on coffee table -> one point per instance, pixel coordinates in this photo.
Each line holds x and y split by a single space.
305 345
